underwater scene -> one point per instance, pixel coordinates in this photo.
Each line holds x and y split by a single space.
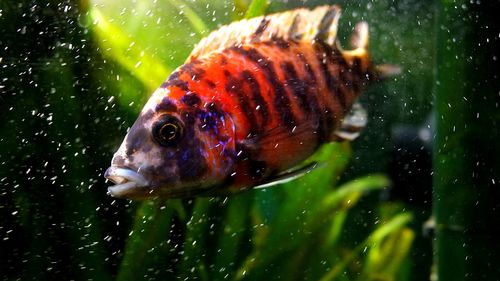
249 140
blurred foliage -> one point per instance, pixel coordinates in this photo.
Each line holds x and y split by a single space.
466 194
256 8
74 78
249 241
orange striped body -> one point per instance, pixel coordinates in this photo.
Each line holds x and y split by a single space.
254 99
265 86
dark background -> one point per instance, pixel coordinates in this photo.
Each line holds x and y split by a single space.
66 105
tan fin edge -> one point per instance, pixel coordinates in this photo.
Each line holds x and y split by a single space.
360 36
300 25
359 42
328 26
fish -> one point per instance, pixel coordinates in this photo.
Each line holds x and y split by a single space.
253 100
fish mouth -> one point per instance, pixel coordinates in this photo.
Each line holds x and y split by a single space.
127 181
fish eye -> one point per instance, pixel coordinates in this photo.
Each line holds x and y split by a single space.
167 131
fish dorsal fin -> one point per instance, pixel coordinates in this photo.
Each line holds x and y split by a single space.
300 25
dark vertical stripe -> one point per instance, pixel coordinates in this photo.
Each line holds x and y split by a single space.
281 101
348 76
293 31
257 98
325 23
327 114
166 104
280 43
234 86
191 99
189 157
313 95
223 60
356 75
193 69
248 158
264 23
356 67
210 83
174 80
325 56
297 86
309 70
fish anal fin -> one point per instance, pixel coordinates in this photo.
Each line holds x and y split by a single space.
352 124
299 25
287 176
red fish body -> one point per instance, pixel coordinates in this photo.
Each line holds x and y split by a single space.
254 99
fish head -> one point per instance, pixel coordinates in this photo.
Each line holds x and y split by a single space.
177 147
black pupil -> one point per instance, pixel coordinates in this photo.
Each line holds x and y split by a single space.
169 131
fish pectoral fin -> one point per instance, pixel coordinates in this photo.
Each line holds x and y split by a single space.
283 140
386 71
287 176
352 124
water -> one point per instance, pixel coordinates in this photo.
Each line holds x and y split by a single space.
74 77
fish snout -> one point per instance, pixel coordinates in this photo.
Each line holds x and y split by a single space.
127 182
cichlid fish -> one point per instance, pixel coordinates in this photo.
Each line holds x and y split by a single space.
253 100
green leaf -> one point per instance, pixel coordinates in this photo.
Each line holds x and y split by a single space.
147 246
234 229
256 8
196 22
395 224
197 229
386 255
122 48
349 193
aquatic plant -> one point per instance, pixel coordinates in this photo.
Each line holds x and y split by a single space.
293 231
73 76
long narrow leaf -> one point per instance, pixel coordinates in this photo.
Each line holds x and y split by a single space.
256 8
385 257
117 45
357 186
196 22
148 236
397 223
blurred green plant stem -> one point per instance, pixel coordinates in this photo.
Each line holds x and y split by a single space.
466 176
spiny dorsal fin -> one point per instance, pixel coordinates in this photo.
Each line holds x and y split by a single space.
299 24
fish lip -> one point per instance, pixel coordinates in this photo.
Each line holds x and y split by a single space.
126 181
